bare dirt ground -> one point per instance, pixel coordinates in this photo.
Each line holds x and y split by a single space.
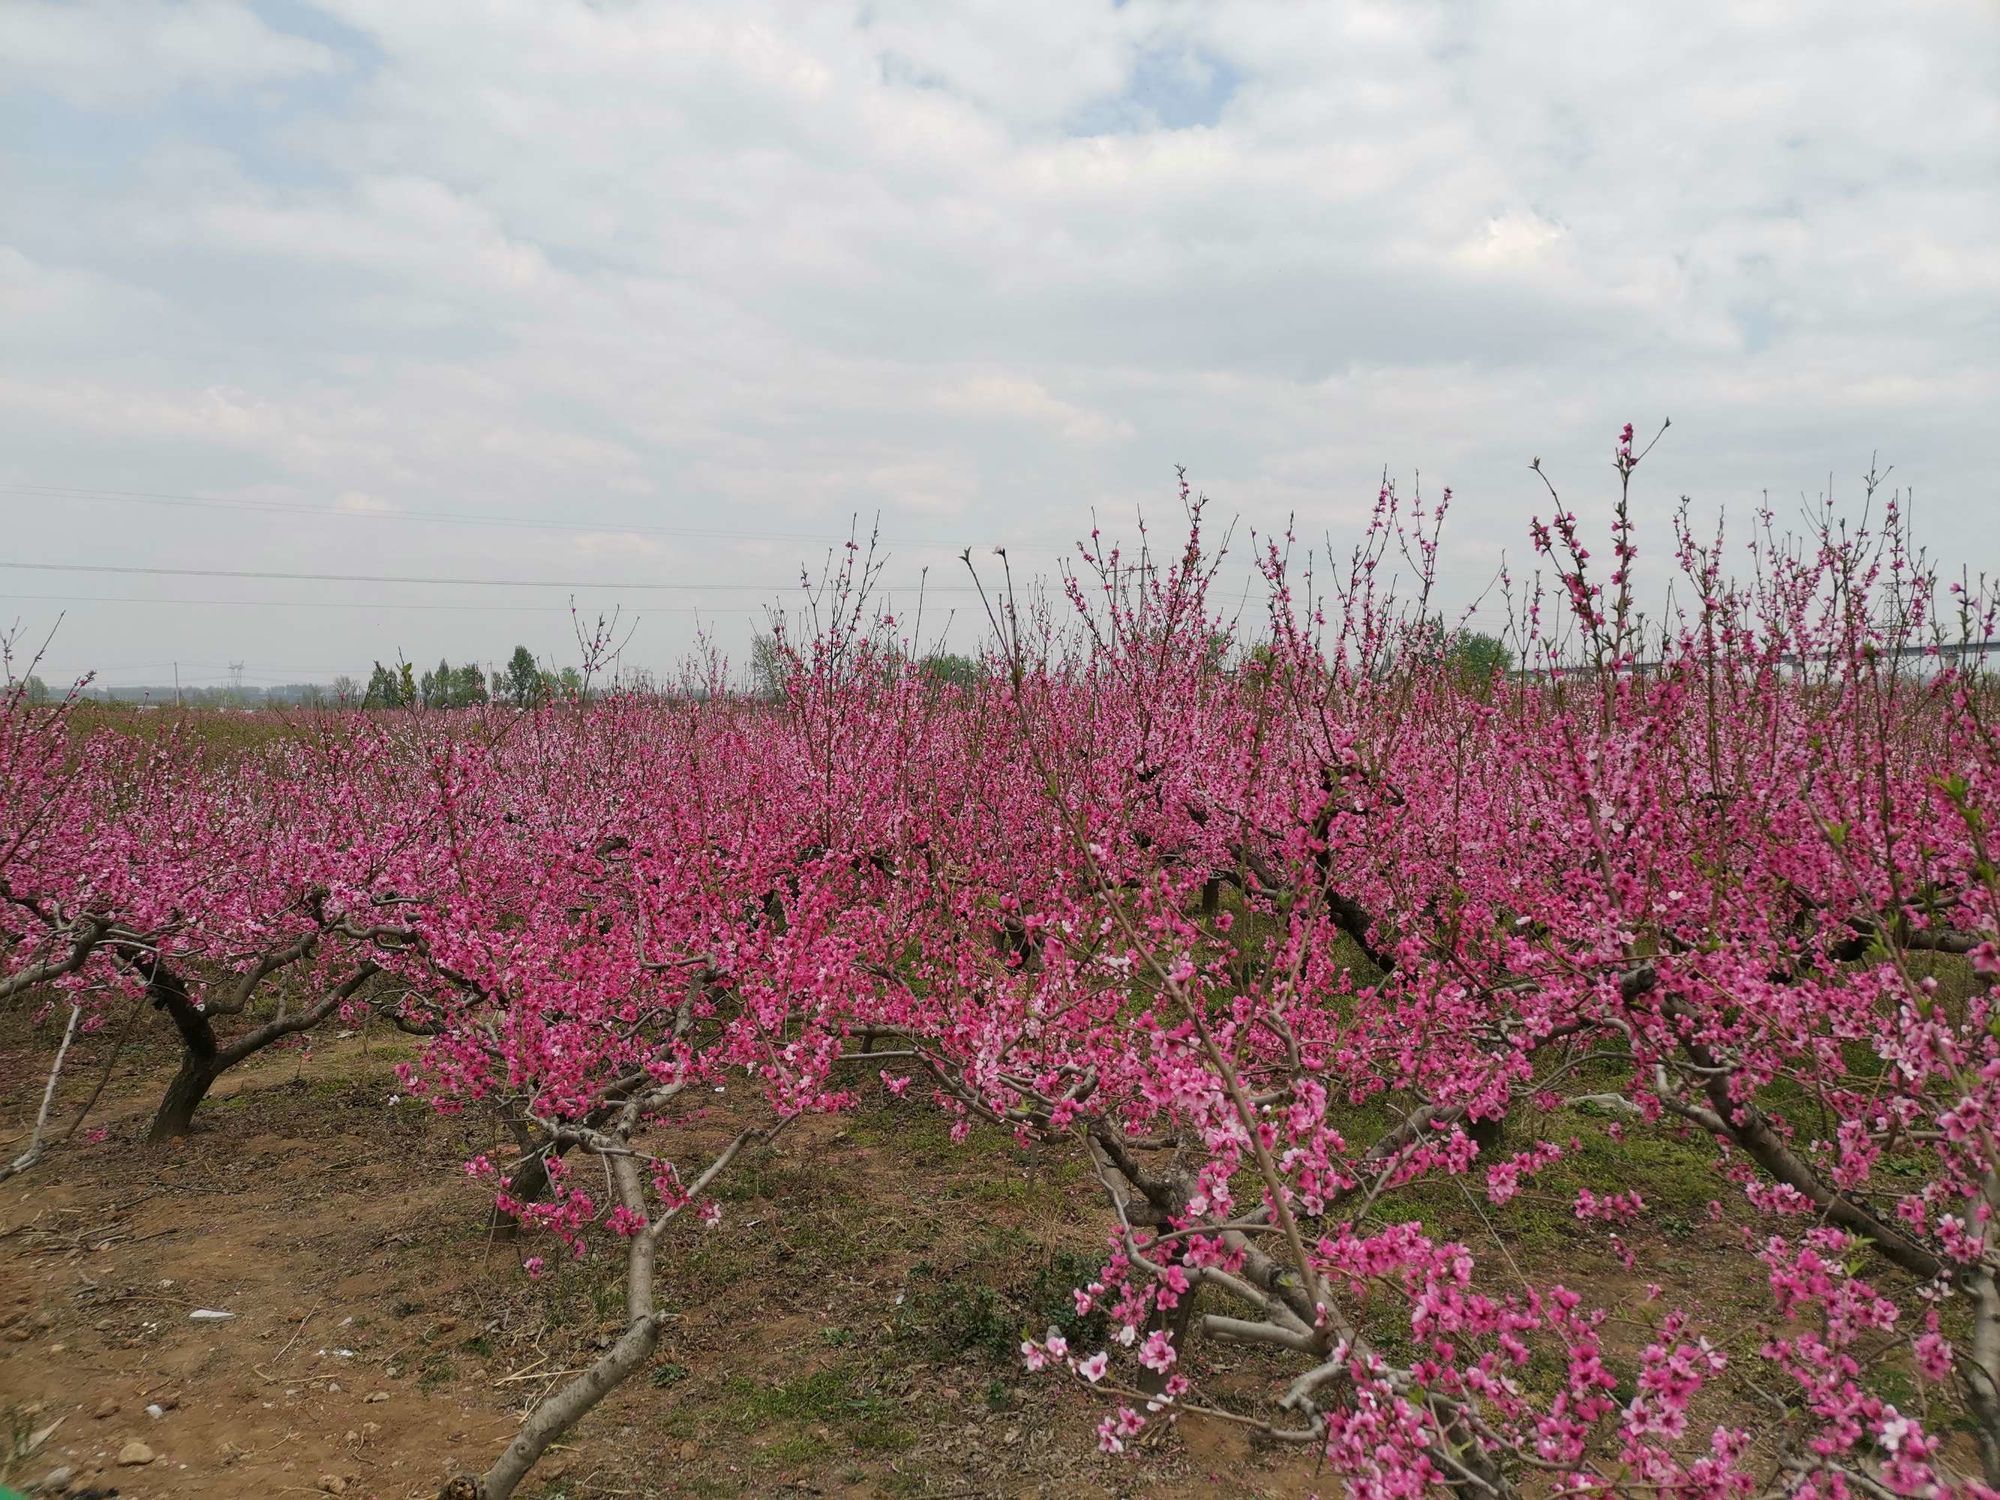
847 1331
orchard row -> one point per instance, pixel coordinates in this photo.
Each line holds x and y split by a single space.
1194 901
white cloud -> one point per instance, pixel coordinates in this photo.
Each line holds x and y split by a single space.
1017 399
1510 242
127 53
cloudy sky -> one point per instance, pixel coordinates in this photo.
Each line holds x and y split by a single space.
629 294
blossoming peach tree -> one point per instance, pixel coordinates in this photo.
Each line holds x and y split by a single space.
231 897
1734 876
1324 950
644 906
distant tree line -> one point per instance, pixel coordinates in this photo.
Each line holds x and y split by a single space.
244 696
523 683
1475 658
770 667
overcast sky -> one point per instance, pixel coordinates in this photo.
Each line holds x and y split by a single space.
686 287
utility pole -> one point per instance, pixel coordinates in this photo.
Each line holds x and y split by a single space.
177 684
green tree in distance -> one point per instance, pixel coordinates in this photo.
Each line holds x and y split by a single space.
525 682
768 667
951 669
436 686
468 686
1478 657
385 689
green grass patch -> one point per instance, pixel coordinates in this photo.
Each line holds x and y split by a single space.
436 1372
965 1312
841 1398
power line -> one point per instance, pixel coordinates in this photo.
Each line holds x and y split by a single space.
526 609
513 583
712 611
1063 539
463 518
489 583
